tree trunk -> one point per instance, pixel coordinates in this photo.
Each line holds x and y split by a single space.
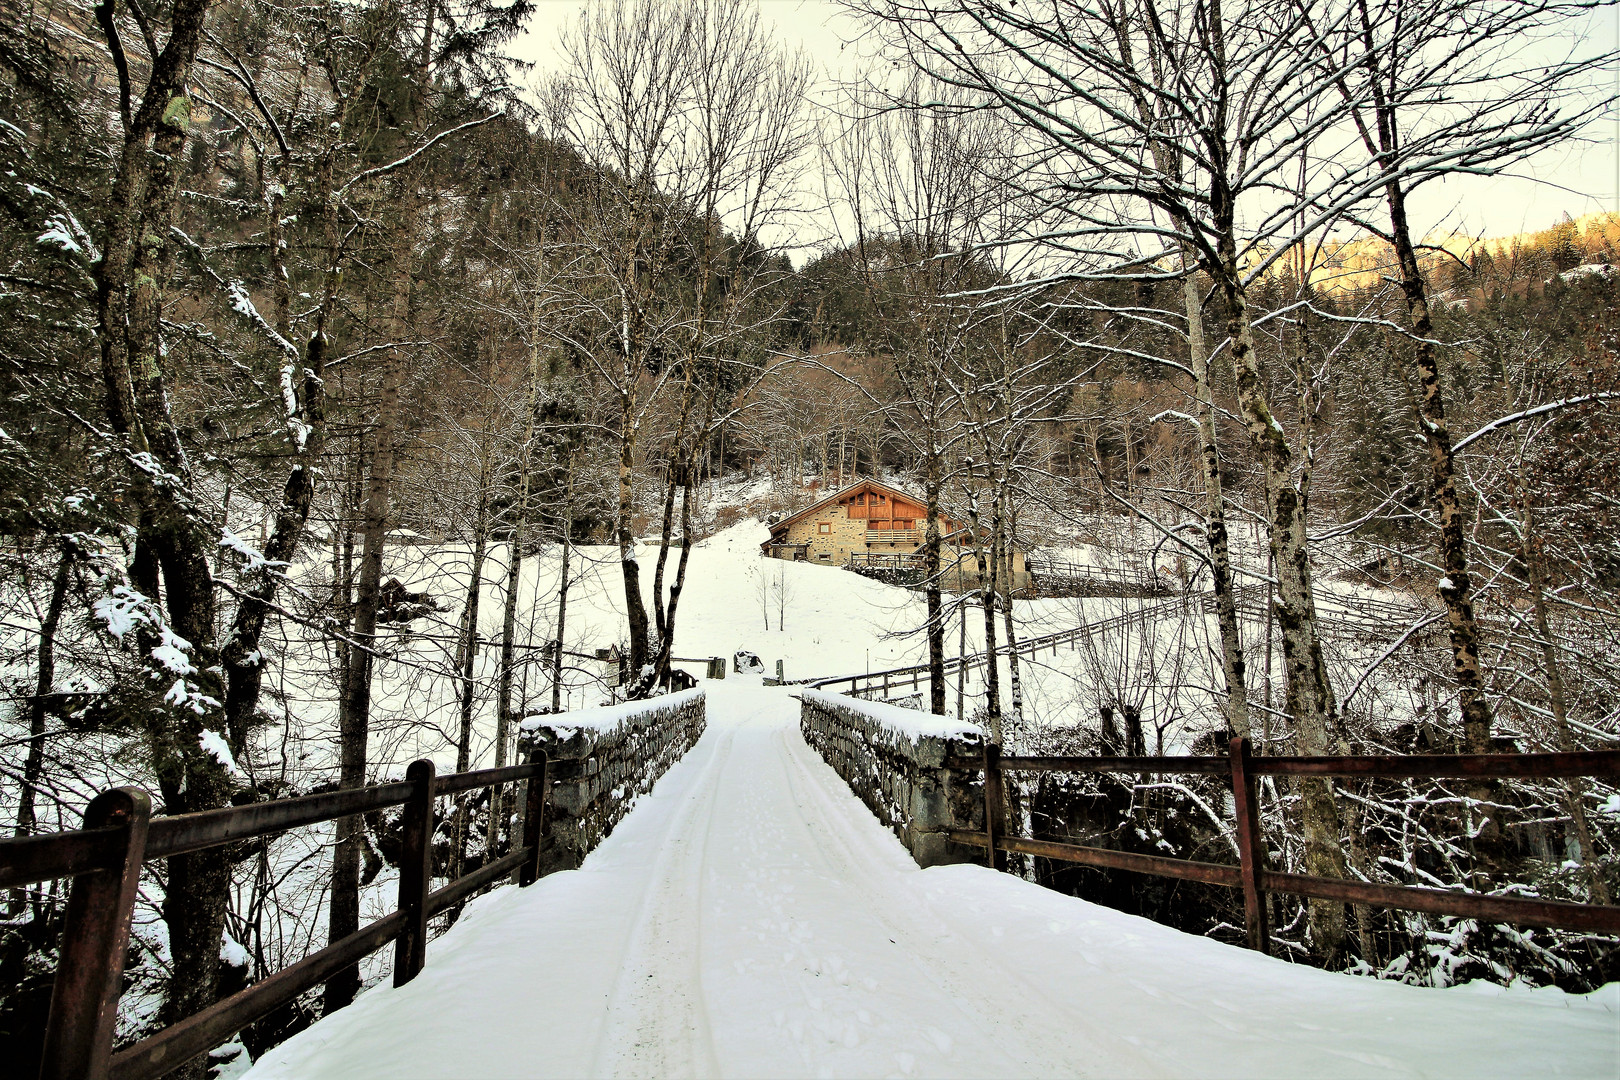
466 664
1309 692
562 592
931 588
1015 683
667 642
1220 556
678 480
987 597
635 609
1575 786
136 262
354 718
503 678
961 640
1455 585
44 679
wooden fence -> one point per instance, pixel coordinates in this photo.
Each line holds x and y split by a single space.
104 860
1250 874
1056 578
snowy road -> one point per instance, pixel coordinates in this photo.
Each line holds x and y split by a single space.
751 918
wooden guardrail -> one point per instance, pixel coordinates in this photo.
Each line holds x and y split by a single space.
104 860
1251 874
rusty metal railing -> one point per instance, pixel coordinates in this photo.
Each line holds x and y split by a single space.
1250 874
104 860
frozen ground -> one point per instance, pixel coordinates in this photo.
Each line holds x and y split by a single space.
751 918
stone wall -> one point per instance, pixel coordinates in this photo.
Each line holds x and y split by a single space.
894 761
602 759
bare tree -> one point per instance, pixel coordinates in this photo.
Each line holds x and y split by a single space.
912 170
1094 90
691 121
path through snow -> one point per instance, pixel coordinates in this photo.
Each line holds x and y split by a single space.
751 918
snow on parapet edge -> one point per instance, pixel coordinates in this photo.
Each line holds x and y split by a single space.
909 722
606 719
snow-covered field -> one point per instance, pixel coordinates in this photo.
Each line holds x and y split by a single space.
817 620
751 918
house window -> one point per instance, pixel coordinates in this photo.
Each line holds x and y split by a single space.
824 527
825 557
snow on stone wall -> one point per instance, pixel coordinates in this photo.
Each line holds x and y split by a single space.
893 759
602 760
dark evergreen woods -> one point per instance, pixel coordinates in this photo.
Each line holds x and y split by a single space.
329 270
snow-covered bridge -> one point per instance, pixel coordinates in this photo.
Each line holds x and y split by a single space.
750 917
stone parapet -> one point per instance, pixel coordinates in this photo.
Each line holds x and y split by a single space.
893 759
602 760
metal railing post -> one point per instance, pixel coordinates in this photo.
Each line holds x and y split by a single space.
534 817
1251 847
415 873
90 974
995 803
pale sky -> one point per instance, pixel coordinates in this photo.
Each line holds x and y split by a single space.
1576 179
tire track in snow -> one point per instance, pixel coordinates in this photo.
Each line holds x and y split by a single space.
658 1024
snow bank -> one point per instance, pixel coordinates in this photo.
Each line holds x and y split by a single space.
894 760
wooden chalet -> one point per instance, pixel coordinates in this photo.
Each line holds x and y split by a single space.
872 526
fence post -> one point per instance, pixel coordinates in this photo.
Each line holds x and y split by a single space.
995 803
1251 846
90 974
534 817
415 873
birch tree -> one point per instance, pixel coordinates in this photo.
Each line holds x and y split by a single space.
1436 90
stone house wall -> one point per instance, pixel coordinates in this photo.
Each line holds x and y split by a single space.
833 547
